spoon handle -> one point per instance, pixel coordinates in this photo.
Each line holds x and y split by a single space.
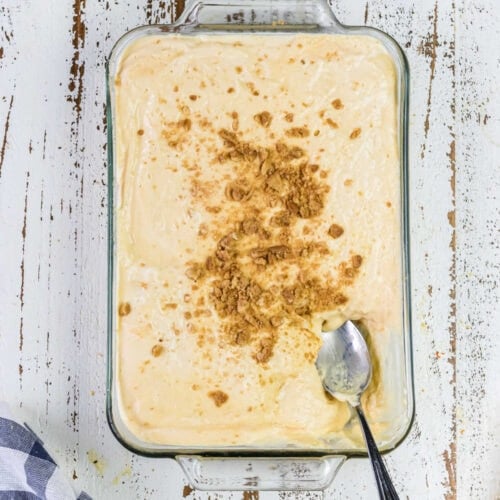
384 484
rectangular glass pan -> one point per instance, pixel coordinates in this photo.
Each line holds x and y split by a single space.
261 467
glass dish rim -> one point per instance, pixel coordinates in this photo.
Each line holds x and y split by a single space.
184 26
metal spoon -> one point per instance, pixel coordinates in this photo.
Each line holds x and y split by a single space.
345 369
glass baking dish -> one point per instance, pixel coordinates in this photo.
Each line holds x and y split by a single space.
263 468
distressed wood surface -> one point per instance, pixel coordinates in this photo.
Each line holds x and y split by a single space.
53 244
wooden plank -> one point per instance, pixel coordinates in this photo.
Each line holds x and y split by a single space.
424 466
477 224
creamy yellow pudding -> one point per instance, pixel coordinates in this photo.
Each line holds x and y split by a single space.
257 201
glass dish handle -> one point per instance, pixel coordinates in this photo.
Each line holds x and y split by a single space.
260 474
189 4
263 12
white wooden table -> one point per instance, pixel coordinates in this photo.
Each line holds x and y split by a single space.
53 243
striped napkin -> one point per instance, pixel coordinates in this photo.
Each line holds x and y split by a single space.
27 472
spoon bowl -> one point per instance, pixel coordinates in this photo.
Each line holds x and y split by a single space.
344 363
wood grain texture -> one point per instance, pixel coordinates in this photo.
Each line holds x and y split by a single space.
53 244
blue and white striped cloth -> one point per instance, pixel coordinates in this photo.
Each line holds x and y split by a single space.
27 472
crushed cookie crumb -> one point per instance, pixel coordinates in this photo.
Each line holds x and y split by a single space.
175 133
337 104
263 118
340 299
276 320
169 305
202 230
249 226
194 272
124 309
297 132
185 124
355 133
198 313
218 397
331 123
265 350
281 219
157 350
238 191
204 123
349 272
335 231
281 177
241 337
356 260
213 210
306 200
235 124
270 255
252 89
